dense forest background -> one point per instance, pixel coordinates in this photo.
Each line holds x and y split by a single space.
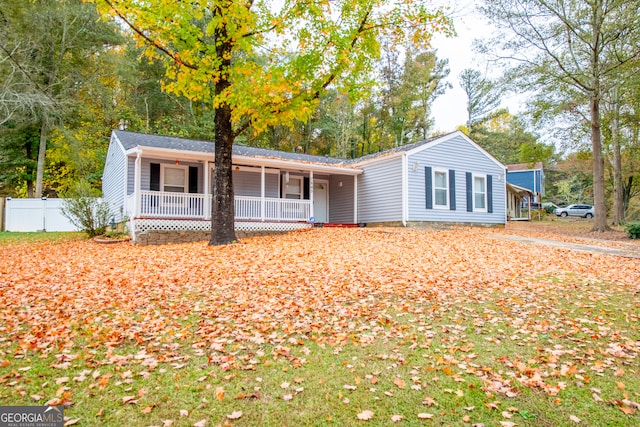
68 78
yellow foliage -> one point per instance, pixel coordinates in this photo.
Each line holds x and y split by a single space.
337 43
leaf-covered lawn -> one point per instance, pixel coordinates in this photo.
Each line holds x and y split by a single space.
322 327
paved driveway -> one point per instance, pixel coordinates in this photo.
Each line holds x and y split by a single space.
627 250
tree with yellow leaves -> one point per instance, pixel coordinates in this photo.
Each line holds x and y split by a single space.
262 63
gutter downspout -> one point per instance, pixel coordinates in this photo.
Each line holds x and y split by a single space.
405 189
507 198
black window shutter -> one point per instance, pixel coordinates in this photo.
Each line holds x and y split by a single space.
489 193
452 189
154 178
193 179
428 187
469 192
305 194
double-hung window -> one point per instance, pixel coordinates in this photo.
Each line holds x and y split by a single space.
293 188
174 179
440 188
480 193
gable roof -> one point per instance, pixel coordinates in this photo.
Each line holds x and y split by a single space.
396 150
416 147
131 140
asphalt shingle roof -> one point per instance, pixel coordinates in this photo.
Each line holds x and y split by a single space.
131 140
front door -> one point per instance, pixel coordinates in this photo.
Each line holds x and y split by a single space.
321 201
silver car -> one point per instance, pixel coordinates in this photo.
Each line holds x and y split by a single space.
584 211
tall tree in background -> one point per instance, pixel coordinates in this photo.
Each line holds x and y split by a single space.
18 153
145 107
424 79
505 137
215 47
577 43
621 120
43 46
483 96
406 91
391 101
616 160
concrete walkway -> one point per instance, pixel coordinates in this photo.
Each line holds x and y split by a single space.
630 250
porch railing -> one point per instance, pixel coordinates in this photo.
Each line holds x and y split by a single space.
273 210
158 204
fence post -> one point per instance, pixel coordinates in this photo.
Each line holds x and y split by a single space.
2 214
7 219
44 213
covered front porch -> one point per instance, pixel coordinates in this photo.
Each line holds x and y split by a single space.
170 191
516 195
170 205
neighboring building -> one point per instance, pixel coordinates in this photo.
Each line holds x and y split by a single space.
529 176
518 208
161 183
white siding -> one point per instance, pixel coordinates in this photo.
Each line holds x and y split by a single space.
380 191
113 178
462 156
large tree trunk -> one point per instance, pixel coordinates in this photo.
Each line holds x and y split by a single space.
222 209
618 193
44 129
626 193
600 220
600 211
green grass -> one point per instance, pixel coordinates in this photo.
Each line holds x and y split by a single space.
448 357
8 237
533 349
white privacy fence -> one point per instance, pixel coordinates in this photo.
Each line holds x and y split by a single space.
36 215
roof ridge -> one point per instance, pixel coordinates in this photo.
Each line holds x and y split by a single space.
189 144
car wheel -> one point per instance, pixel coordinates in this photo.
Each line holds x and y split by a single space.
563 214
589 215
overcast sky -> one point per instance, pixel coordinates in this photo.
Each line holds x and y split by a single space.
450 109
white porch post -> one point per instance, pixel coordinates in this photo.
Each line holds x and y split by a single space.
262 193
136 184
355 199
207 191
310 194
